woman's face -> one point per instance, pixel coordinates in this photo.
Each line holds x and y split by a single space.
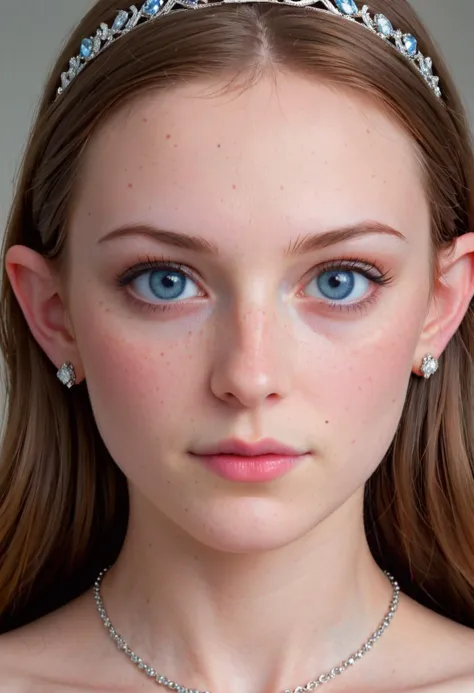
255 330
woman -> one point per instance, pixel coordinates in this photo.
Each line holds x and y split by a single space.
243 242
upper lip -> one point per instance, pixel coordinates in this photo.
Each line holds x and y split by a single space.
234 446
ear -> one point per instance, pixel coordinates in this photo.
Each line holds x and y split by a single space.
453 291
37 287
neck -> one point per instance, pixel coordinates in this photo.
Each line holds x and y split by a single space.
231 622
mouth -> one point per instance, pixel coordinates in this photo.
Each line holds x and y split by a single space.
237 460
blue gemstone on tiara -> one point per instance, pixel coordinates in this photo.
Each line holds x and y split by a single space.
347 6
120 21
151 7
87 46
384 26
410 43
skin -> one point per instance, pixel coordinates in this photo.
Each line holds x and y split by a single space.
222 585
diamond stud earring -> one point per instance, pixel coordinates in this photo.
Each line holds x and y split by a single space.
67 375
429 366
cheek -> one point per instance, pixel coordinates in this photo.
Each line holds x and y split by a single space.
140 382
360 392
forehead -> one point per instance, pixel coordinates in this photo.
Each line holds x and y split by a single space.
286 154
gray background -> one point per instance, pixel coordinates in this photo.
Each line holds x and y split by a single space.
32 31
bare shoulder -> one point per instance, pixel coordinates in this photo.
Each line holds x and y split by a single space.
13 676
59 653
461 684
435 652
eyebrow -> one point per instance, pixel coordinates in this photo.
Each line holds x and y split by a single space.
302 245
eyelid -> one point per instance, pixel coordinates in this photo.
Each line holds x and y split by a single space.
150 264
363 267
356 264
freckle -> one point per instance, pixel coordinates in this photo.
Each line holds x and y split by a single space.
168 136
175 146
162 353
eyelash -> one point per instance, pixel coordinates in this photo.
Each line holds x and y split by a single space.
368 270
123 279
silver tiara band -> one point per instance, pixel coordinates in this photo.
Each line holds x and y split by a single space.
127 20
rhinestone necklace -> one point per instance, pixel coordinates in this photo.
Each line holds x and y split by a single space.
163 681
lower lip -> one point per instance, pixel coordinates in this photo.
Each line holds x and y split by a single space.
250 469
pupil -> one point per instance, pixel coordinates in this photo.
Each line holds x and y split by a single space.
336 285
167 285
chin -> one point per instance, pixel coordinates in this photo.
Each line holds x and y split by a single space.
247 525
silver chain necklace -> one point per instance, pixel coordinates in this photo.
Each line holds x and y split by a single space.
162 680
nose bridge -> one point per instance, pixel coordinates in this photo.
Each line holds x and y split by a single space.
254 326
253 362
258 324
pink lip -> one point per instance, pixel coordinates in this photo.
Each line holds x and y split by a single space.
237 460
234 446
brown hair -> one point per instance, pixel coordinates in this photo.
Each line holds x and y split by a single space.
63 501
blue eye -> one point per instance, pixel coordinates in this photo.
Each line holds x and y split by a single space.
338 285
160 284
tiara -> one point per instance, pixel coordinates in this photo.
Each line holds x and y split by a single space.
126 20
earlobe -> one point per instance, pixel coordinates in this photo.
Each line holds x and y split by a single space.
37 289
452 294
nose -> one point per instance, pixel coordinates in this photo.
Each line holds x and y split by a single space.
253 358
